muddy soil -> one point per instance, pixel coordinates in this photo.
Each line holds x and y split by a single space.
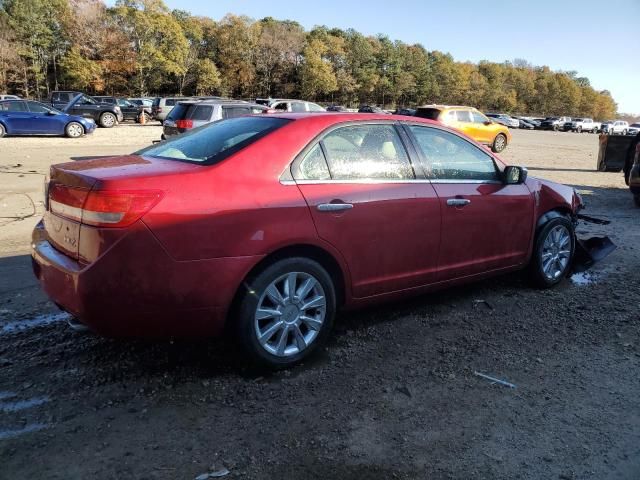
394 395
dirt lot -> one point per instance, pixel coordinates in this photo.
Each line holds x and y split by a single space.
393 396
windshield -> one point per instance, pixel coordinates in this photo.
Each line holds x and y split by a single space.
214 142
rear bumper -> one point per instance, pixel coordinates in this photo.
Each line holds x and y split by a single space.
135 289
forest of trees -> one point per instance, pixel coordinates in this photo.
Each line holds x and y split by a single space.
140 47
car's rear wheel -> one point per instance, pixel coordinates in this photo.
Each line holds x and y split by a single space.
74 130
552 253
555 128
286 312
499 143
108 120
624 132
3 132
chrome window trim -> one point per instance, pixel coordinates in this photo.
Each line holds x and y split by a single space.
391 181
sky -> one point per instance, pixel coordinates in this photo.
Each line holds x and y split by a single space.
600 39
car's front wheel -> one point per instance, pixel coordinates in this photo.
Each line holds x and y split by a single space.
74 130
3 132
552 253
499 143
286 312
108 120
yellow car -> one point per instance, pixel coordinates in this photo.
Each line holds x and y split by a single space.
469 121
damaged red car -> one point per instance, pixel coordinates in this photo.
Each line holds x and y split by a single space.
266 226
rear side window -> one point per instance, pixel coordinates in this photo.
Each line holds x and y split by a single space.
367 152
463 116
314 165
281 107
214 142
450 157
37 107
298 107
156 102
170 102
201 113
233 112
13 107
315 108
430 113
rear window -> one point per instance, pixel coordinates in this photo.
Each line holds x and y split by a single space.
430 113
179 112
214 142
190 111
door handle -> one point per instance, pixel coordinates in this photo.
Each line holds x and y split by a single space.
334 207
458 202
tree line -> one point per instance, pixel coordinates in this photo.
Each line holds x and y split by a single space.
141 48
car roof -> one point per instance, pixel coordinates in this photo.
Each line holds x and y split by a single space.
219 102
445 107
331 118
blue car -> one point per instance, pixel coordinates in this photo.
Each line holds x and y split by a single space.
26 117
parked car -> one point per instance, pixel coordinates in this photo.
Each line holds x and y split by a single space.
524 123
582 125
372 109
290 105
470 121
130 111
554 123
632 170
162 106
9 97
410 112
266 225
504 119
633 129
192 114
83 105
337 108
619 127
27 117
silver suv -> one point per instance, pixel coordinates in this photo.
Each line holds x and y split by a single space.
194 113
290 105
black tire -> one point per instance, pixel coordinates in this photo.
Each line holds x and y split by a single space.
555 128
624 132
579 129
3 132
74 130
499 143
108 120
246 325
536 270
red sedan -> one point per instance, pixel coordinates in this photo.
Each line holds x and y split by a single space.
267 225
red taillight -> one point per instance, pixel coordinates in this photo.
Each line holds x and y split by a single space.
184 123
101 208
270 110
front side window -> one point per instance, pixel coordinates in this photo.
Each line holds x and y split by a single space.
214 142
315 108
87 100
36 107
361 152
479 118
449 157
298 107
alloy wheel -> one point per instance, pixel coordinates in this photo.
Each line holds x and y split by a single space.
556 252
74 130
290 314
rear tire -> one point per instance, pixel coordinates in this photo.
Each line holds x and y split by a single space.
108 120
552 252
579 129
74 130
278 329
499 143
555 128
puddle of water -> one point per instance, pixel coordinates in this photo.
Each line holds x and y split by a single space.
584 278
17 405
39 321
33 427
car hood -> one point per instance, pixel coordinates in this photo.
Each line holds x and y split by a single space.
549 192
73 101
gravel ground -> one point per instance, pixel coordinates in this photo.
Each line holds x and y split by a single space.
394 395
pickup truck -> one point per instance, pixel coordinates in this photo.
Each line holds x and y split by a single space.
554 123
582 125
78 103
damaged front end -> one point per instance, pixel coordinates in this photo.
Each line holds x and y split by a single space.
588 251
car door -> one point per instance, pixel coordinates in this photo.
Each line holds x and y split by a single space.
41 122
16 117
481 131
370 204
486 224
86 107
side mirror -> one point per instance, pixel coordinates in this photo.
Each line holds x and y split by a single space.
488 122
515 175
51 112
